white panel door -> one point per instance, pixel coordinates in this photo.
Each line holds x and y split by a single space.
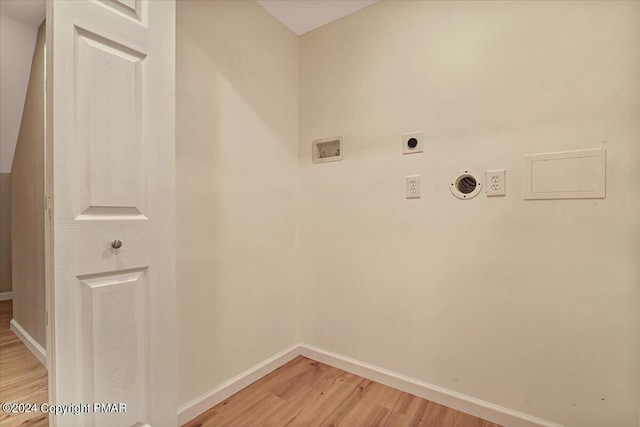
111 120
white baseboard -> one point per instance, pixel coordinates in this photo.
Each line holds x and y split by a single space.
35 348
476 407
227 389
479 408
6 295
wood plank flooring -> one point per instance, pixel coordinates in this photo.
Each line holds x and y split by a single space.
302 393
22 377
308 393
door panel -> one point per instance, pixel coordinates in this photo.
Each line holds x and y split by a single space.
113 139
107 86
114 319
132 8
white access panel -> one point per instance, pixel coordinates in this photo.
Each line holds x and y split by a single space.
566 175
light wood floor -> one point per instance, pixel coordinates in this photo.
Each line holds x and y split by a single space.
308 393
302 393
22 377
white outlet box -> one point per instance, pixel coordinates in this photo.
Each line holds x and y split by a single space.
327 150
408 141
496 183
414 187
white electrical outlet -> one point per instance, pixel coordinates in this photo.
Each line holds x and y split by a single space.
413 187
496 183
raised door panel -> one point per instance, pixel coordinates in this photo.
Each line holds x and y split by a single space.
115 343
108 84
131 8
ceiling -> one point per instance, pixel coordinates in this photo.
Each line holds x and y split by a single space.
30 12
302 16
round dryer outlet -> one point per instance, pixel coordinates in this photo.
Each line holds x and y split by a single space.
466 184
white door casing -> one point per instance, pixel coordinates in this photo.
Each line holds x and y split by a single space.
111 113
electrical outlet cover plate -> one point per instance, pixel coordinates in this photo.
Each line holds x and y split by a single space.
413 187
496 183
405 142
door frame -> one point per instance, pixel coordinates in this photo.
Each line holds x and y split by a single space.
49 275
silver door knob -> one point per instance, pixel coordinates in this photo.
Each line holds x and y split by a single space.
116 244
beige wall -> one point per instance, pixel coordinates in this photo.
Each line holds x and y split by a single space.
529 305
5 232
27 206
237 151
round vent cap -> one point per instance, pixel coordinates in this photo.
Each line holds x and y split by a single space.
466 184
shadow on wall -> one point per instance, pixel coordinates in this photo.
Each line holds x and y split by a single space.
252 75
